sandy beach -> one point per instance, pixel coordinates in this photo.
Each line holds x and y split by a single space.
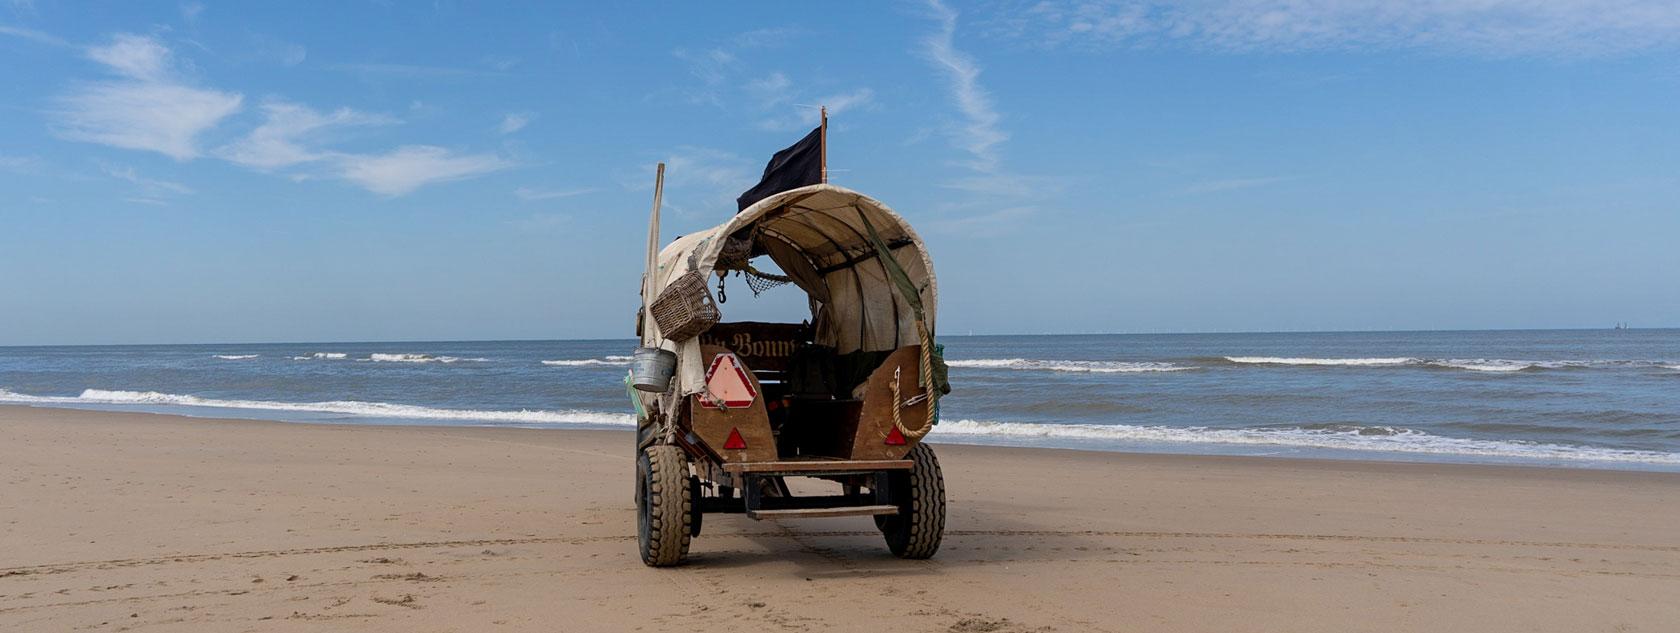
139 522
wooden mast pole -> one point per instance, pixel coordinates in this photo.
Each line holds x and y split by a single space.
825 144
648 280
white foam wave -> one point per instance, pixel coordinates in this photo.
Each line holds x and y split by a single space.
1380 440
1503 365
1084 366
344 407
323 356
421 358
1349 362
236 356
1470 364
610 361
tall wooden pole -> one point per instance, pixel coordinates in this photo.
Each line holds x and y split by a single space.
825 144
648 281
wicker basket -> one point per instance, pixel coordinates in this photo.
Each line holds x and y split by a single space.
685 309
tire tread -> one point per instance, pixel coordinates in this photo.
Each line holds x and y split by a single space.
670 507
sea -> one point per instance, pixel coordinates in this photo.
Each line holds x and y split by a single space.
1573 398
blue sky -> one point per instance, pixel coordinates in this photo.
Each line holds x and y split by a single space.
186 172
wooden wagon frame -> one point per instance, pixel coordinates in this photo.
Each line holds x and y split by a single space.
845 396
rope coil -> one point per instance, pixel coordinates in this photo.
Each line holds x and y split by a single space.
926 383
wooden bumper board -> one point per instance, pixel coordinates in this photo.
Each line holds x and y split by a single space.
812 513
805 467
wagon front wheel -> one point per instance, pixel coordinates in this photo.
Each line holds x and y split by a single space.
916 530
664 502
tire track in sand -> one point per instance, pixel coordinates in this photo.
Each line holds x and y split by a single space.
798 536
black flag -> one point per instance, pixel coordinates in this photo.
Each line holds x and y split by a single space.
798 165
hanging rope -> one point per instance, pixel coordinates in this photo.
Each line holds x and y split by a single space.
930 392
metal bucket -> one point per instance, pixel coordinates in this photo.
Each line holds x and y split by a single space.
651 369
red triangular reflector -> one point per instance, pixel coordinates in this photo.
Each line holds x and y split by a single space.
734 442
894 438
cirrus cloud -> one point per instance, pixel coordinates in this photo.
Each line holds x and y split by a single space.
148 107
410 167
1499 28
279 141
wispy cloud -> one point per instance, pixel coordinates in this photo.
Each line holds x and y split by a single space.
149 105
806 115
190 11
712 67
770 90
1479 27
148 108
149 187
280 140
410 167
528 193
994 200
978 134
689 165
414 70
515 121
135 56
699 178
18 164
33 35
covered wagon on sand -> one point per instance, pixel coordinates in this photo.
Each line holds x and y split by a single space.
727 411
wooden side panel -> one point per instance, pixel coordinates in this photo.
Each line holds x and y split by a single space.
712 425
876 420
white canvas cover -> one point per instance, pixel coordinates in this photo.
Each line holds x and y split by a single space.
817 235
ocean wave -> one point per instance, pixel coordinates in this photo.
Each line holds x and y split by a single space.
1503 365
236 356
1338 437
343 407
1348 362
323 356
1083 366
1498 365
421 358
609 361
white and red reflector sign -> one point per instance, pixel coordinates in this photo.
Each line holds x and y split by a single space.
728 381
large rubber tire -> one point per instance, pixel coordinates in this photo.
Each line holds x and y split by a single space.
918 527
663 505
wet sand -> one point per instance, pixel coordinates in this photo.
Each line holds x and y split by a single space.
137 522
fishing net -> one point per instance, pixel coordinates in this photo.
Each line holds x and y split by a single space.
759 281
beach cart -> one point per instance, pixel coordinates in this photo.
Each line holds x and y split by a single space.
727 412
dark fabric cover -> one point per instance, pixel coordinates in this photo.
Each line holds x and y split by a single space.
797 166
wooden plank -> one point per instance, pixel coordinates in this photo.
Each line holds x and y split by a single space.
766 347
818 465
712 425
814 513
876 420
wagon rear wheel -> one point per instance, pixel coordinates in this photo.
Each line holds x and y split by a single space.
916 530
664 502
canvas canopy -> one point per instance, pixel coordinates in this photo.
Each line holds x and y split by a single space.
827 239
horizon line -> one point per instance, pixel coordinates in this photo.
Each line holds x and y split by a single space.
566 340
